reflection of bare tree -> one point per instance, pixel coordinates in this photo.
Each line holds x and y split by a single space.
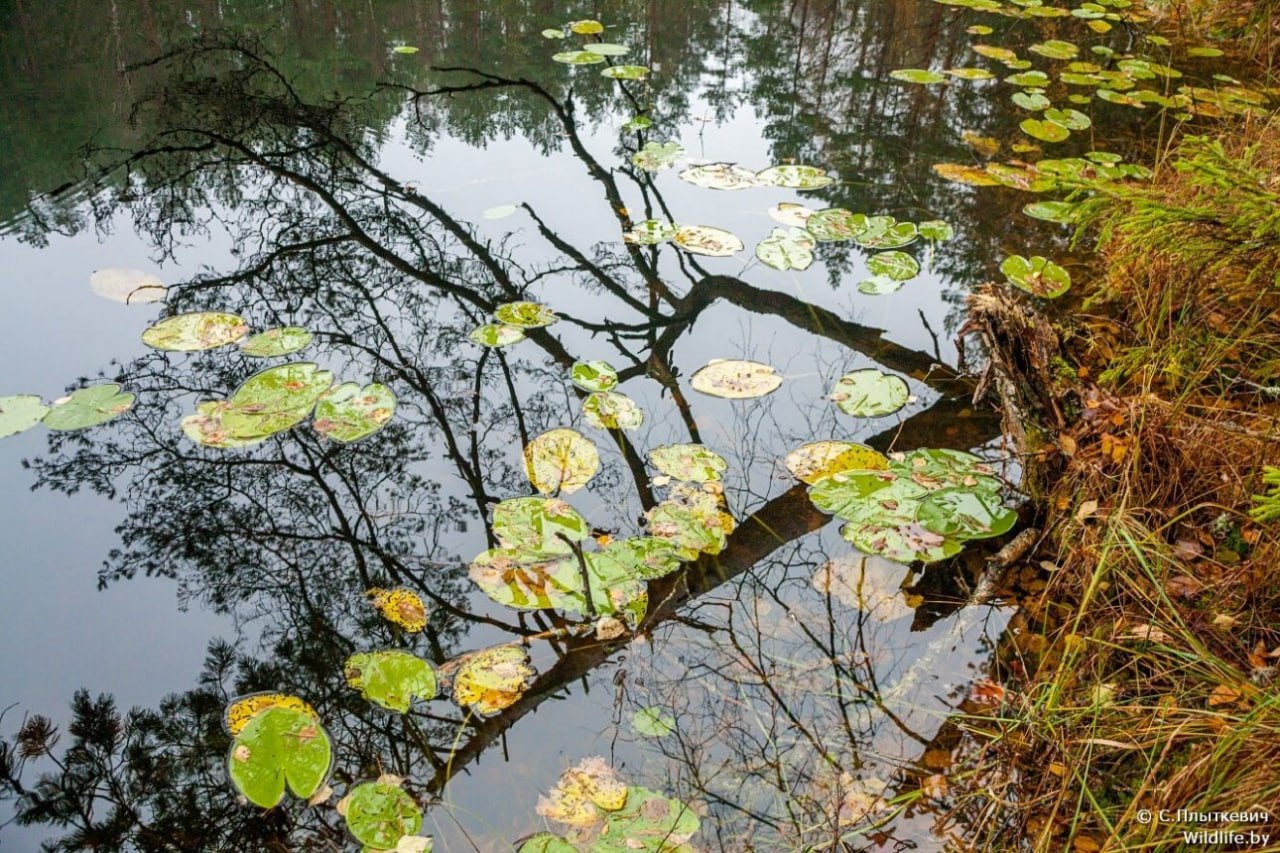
288 535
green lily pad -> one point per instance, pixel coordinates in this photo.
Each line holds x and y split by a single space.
870 393
527 580
1031 101
636 558
587 27
20 412
918 75
720 176
560 460
653 722
638 123
594 375
707 240
1070 119
1055 49
286 387
553 34
497 335
936 230
608 49
88 407
965 514
405 49
789 213
999 54
834 224
391 679
786 249
735 379
650 821
884 232
906 543
794 177
577 57
1052 211
1033 79
607 410
969 73
898 266
626 72
525 315
655 156
379 814
276 342
649 232
349 413
691 463
545 842
192 332
538 524
1045 131
1036 275
879 285
279 748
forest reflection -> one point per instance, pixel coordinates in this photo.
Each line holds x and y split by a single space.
773 662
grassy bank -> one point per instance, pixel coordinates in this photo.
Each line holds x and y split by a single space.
1142 680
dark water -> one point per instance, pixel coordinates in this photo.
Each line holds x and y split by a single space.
279 169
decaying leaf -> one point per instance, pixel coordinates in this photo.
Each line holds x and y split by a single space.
735 379
560 461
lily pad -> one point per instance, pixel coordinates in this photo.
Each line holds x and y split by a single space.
786 249
539 525
1052 211
244 708
1055 49
936 230
885 232
898 266
607 410
276 342
88 407
1045 131
789 213
906 543
653 722
192 332
577 57
969 73
638 123
560 461
1032 79
795 177
501 211
349 413
493 680
279 748
720 176
918 75
835 224
130 287
400 606
691 463
405 49
545 842
649 232
1037 275
811 462
583 794
609 49
966 513
587 27
379 814
706 240
391 678
870 393
594 375
497 335
20 412
879 285
655 156
525 315
1033 101
553 34
626 72
734 379
650 821
1070 119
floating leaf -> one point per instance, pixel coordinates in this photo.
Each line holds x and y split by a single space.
577 57
586 27
969 73
653 722
898 266
917 75
691 463
1033 79
191 332
906 543
720 176
817 459
1055 49
244 708
594 375
501 211
553 34
650 821
966 514
736 380
626 72
497 335
649 232
706 240
608 49
636 558
525 315
349 413
936 230
879 285
538 525
545 842
1204 51
788 213
795 177
1000 54
130 287
490 681
974 176
1045 131
835 224
20 412
885 232
786 250
1033 101
1052 211
391 678
279 747
379 814
88 407
529 580
1036 275
607 410
692 519
979 30
870 393
269 402
658 155
404 48
638 123
560 460
583 793
400 606
276 342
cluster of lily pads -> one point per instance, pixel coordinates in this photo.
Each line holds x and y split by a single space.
511 320
81 409
594 52
603 407
917 506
